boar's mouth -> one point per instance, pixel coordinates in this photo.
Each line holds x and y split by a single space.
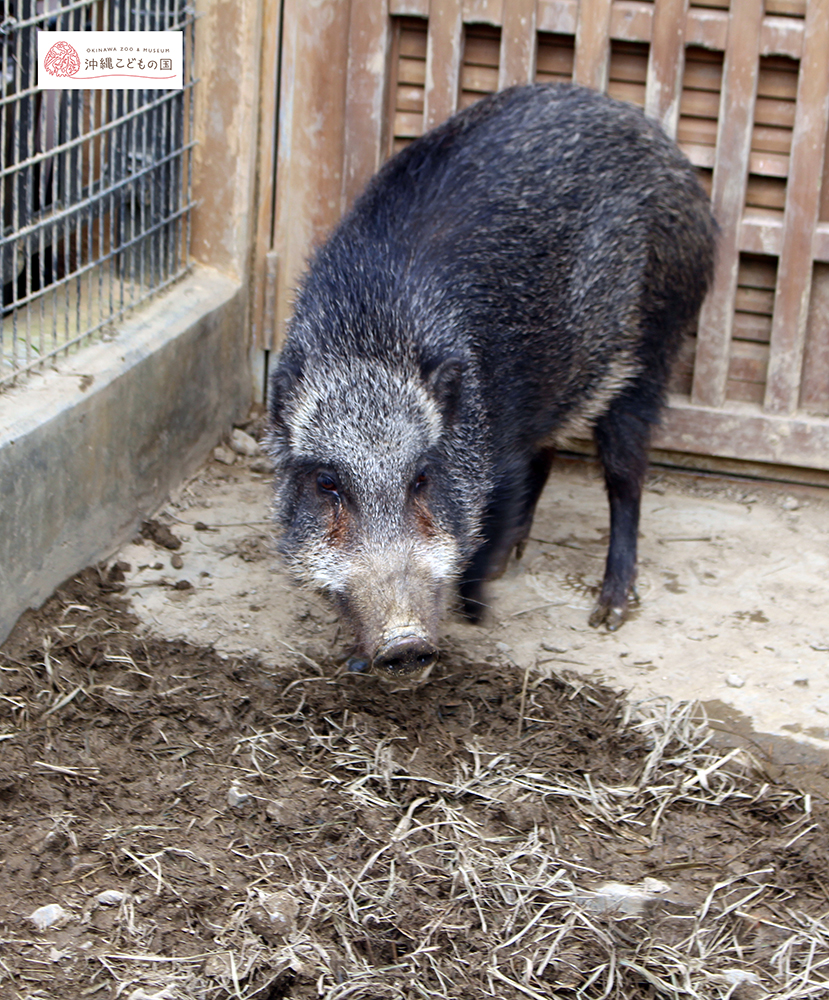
405 656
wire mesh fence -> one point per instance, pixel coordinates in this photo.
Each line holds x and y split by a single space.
95 187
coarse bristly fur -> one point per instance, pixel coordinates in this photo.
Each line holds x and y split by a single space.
524 272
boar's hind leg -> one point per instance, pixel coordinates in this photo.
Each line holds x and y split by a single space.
506 526
622 436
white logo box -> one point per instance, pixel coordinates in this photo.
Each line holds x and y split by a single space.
109 60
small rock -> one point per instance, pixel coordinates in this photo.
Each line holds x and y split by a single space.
275 916
50 915
791 503
217 966
559 648
177 562
263 464
224 455
734 681
236 797
243 444
282 812
110 897
182 585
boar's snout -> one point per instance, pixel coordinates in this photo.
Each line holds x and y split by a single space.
405 656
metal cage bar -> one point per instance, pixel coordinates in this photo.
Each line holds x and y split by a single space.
95 186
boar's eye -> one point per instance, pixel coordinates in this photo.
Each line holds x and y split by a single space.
421 482
327 484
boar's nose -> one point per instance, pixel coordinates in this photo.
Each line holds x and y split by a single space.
408 654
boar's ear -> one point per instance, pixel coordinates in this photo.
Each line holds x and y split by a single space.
443 381
284 378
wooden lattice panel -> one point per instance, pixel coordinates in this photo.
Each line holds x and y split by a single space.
628 71
771 136
409 82
555 57
743 85
481 58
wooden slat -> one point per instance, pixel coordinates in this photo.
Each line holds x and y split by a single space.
310 152
730 173
666 63
483 11
790 8
769 139
628 62
632 20
407 82
369 40
443 61
558 16
749 326
755 300
742 430
263 281
633 93
555 57
479 80
814 393
824 195
481 47
746 392
794 273
700 154
409 98
698 132
409 8
518 43
412 43
778 78
770 111
408 124
593 44
700 104
749 361
412 71
781 36
707 28
767 193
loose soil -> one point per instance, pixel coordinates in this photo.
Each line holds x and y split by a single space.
221 810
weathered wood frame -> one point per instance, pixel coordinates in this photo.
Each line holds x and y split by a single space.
336 113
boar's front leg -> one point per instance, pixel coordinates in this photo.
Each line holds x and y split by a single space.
506 525
622 437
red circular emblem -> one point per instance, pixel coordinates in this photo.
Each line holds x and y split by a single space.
62 60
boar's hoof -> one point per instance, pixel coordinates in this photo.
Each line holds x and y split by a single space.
407 655
611 616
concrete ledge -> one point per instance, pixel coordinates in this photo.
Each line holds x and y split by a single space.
90 449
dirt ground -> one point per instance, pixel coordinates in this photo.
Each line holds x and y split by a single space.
214 808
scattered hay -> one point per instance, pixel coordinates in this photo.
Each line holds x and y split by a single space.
219 828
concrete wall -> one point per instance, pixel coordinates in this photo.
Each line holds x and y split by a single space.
91 448
86 452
